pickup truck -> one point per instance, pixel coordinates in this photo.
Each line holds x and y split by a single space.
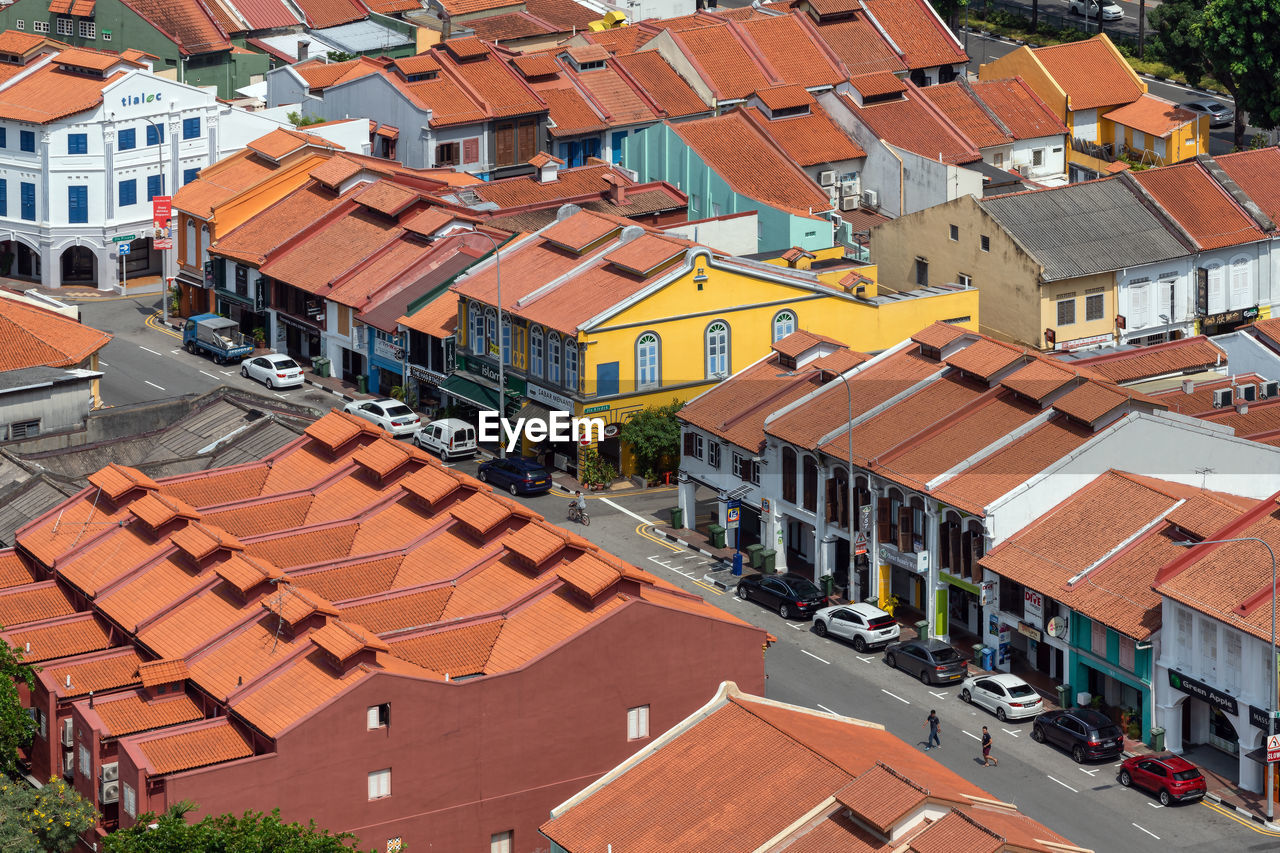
217 336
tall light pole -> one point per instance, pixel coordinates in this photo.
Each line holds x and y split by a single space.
502 376
848 390
1271 659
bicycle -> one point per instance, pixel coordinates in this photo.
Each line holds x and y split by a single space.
578 514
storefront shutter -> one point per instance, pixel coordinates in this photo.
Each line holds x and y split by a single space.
904 529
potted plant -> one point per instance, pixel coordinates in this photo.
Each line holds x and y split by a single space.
397 393
260 337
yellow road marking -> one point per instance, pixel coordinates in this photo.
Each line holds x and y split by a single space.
1232 815
642 531
560 492
153 323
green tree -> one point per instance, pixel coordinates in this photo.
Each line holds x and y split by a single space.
43 820
298 120
1240 43
1173 35
654 436
16 726
253 832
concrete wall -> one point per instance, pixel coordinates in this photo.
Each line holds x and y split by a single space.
734 234
1246 355
59 407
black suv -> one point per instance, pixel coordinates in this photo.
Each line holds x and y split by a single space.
792 595
1085 733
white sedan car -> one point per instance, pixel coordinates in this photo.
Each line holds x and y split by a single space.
1003 694
392 415
275 371
864 625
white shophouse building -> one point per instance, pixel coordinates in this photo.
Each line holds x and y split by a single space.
86 140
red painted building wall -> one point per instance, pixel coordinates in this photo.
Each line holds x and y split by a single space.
472 758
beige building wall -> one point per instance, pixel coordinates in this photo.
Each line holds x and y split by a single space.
1077 291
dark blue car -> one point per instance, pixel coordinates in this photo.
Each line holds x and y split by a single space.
517 475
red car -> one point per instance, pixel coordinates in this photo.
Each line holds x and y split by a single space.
1170 777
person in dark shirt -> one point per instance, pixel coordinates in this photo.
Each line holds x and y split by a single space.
988 759
933 723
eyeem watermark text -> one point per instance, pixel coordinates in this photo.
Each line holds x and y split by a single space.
561 426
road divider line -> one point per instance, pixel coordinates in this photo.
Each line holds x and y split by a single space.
210 375
1149 832
153 352
1069 788
708 588
103 363
1231 814
620 508
895 696
642 530
972 735
828 710
152 384
815 657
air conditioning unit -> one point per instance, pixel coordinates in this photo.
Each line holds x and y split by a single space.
69 763
1248 393
849 203
1269 390
68 732
827 178
1222 398
109 792
849 186
871 199
110 772
833 195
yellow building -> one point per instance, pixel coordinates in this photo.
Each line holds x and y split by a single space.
603 317
1105 104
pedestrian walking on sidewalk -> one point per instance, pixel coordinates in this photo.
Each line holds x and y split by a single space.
988 759
934 724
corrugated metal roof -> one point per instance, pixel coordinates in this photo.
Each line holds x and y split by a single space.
1081 229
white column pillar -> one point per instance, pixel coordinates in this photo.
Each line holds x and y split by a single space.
685 490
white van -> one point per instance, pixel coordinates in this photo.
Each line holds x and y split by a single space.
449 437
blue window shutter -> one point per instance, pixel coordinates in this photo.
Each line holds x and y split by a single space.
607 379
28 201
127 139
191 128
155 186
4 137
155 134
128 192
77 143
27 140
78 204
189 175
4 197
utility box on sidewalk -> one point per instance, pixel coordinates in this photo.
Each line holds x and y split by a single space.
362 384
1064 696
717 535
1157 738
737 563
677 518
988 659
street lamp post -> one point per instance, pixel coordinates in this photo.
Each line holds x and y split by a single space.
1271 706
502 378
848 390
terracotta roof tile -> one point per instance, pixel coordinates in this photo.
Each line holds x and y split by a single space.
793 53
571 112
454 651
919 35
262 517
752 167
1149 114
939 335
331 13
34 337
875 83
198 746
1089 401
386 197
384 456
399 612
491 589
481 512
136 598
130 713
244 573
263 14
342 639
543 624
58 638
964 111
579 231
294 604
620 39
589 574
320 75
95 672
612 91
1200 205
881 797
333 433
33 603
157 672
1258 174
116 480
809 140
564 14
535 65
236 657
535 543
14 569
985 358
438 318
955 832
661 83
860 47
645 253
787 96
513 25
13 41
912 123
1195 353
187 23
1090 73
199 540
351 579
259 235
156 510
724 62
1019 108
1038 378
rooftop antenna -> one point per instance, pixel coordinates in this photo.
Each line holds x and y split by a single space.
1204 472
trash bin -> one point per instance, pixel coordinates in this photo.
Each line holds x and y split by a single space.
922 628
828 585
322 367
755 553
1064 696
737 563
717 535
362 384
1157 738
988 659
768 561
677 517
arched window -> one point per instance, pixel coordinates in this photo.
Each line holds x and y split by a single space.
647 373
189 251
571 364
1217 288
204 245
810 472
535 351
1240 289
788 475
490 331
475 335
553 358
784 323
838 497
718 350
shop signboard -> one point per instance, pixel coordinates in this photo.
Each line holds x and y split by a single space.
538 394
591 410
389 350
987 594
1028 631
894 557
1258 718
1033 607
1058 627
1222 701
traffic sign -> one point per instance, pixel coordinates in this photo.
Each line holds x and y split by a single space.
1273 749
734 514
123 249
124 238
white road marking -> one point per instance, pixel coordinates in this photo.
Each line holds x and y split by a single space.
228 372
103 363
282 396
939 695
1011 732
153 352
864 660
895 696
152 384
1149 832
1090 772
972 735
623 509
828 710
1068 787
1155 805
815 657
797 626
174 351
210 375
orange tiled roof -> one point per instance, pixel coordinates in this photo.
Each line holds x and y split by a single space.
195 746
985 358
130 713
34 337
959 105
188 23
563 14
1151 115
920 36
62 637
724 62
1039 378
33 603
939 335
331 13
791 49
876 83
14 569
94 672
620 39
1134 365
115 480
254 239
162 672
1019 108
1256 172
914 124
513 25
752 167
1091 73
645 253
1200 205
860 46
809 140
661 83
881 797
571 112
615 95
320 75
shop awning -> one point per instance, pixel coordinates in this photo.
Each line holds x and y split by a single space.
472 392
532 411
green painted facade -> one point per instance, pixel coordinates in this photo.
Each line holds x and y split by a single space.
1106 660
117 27
657 153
